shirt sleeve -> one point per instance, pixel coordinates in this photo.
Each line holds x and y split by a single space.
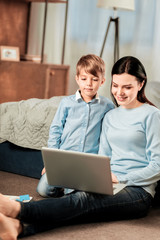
151 173
57 126
104 147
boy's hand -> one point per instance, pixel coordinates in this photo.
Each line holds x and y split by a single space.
114 178
43 171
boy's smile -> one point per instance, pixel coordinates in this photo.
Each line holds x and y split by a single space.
89 84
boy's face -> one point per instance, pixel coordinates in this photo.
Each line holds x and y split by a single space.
89 84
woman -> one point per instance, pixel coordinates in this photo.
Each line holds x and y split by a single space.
131 137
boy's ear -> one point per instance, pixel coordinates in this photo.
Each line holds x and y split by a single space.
102 81
76 78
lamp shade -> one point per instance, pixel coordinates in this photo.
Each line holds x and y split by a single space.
121 4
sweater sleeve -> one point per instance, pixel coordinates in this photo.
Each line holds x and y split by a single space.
151 173
57 126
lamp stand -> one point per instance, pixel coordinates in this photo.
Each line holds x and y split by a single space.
116 38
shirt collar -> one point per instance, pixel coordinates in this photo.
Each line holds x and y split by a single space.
78 96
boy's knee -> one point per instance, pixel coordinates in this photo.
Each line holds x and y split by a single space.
42 187
50 191
42 191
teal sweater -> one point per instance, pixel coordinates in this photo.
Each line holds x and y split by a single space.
131 137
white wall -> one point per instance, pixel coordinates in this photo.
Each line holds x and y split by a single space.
139 35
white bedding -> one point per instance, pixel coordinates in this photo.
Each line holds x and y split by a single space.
26 123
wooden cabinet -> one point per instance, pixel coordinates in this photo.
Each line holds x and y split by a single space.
15 21
14 17
23 80
26 79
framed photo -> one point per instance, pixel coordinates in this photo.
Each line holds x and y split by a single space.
8 53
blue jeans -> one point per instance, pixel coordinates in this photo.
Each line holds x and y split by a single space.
46 190
129 203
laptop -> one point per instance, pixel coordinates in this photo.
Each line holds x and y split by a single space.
80 171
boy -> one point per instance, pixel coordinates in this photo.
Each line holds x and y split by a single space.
77 122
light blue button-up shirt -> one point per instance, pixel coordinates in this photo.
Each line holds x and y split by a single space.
77 125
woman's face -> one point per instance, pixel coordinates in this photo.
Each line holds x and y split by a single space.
125 88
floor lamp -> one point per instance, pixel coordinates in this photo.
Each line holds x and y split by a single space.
115 5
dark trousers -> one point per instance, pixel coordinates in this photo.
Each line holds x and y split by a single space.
38 216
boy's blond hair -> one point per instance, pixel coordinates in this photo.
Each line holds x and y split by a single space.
92 64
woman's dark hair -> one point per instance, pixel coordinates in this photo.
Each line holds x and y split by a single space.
134 67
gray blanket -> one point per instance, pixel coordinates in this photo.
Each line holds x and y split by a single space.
26 123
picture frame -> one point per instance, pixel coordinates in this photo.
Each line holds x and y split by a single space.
8 53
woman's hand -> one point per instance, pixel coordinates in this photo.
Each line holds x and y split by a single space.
43 171
114 178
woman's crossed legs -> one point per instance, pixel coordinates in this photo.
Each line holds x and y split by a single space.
131 202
